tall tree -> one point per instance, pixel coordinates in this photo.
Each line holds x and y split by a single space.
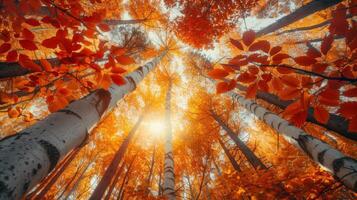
82 115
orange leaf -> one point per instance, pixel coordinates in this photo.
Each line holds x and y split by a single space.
348 109
117 79
104 27
251 91
118 70
5 47
28 44
350 92
246 77
248 37
222 87
290 81
27 34
237 44
260 45
289 93
46 65
277 84
321 114
124 60
218 73
305 60
11 56
280 57
326 44
13 112
25 62
292 109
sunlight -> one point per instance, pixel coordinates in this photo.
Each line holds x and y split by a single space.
156 128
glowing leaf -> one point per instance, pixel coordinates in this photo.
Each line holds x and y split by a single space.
124 60
218 73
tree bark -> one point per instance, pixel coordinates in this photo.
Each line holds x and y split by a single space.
30 155
125 178
110 171
151 170
300 13
249 154
169 174
344 168
335 123
229 155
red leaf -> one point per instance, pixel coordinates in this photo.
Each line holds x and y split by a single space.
313 53
237 44
117 79
352 125
248 37
246 78
27 34
222 87
326 44
319 67
5 47
28 44
218 73
305 60
321 114
118 70
348 109
275 50
291 81
32 22
124 60
50 43
350 92
280 56
251 91
11 56
104 27
25 62
260 45
289 93
46 65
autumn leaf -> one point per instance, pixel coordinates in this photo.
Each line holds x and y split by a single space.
11 56
319 67
237 44
352 125
117 70
321 114
46 65
279 57
313 53
13 112
50 42
218 73
104 27
275 50
246 77
289 93
5 47
32 22
348 109
260 45
305 60
118 79
350 92
27 34
25 62
251 91
28 44
291 81
248 37
326 44
124 60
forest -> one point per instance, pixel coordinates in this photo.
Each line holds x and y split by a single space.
178 99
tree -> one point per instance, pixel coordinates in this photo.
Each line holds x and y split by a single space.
53 150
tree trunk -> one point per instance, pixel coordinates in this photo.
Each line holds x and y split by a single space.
125 178
53 180
169 174
249 154
115 22
114 182
335 123
229 155
300 13
110 171
30 155
344 168
151 170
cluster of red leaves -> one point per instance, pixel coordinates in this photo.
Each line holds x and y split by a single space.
310 80
74 40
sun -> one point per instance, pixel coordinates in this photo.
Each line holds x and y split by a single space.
156 128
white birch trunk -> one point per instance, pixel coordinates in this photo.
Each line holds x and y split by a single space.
344 168
169 175
27 157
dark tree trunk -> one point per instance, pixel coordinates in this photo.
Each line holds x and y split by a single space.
229 155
